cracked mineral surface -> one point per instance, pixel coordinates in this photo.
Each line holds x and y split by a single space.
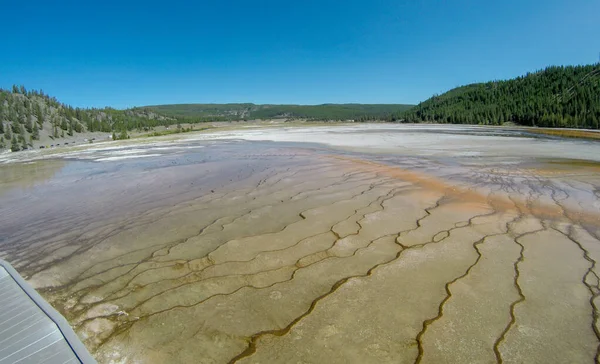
340 244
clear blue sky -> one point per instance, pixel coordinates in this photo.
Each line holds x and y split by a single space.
123 53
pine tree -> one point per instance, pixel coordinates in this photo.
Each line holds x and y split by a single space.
1 127
35 133
38 114
14 145
8 133
593 121
29 124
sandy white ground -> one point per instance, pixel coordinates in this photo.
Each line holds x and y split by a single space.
413 140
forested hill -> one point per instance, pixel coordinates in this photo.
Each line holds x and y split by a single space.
29 115
554 97
248 111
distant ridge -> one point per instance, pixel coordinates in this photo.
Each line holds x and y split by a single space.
249 111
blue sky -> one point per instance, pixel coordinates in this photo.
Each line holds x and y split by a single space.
126 53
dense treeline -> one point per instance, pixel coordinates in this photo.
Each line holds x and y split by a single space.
340 112
237 112
554 97
218 112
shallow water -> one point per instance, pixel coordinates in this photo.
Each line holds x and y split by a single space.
371 243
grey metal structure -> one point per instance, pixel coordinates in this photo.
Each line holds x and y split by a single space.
31 331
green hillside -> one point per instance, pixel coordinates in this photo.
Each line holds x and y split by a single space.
554 97
204 111
28 115
358 112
